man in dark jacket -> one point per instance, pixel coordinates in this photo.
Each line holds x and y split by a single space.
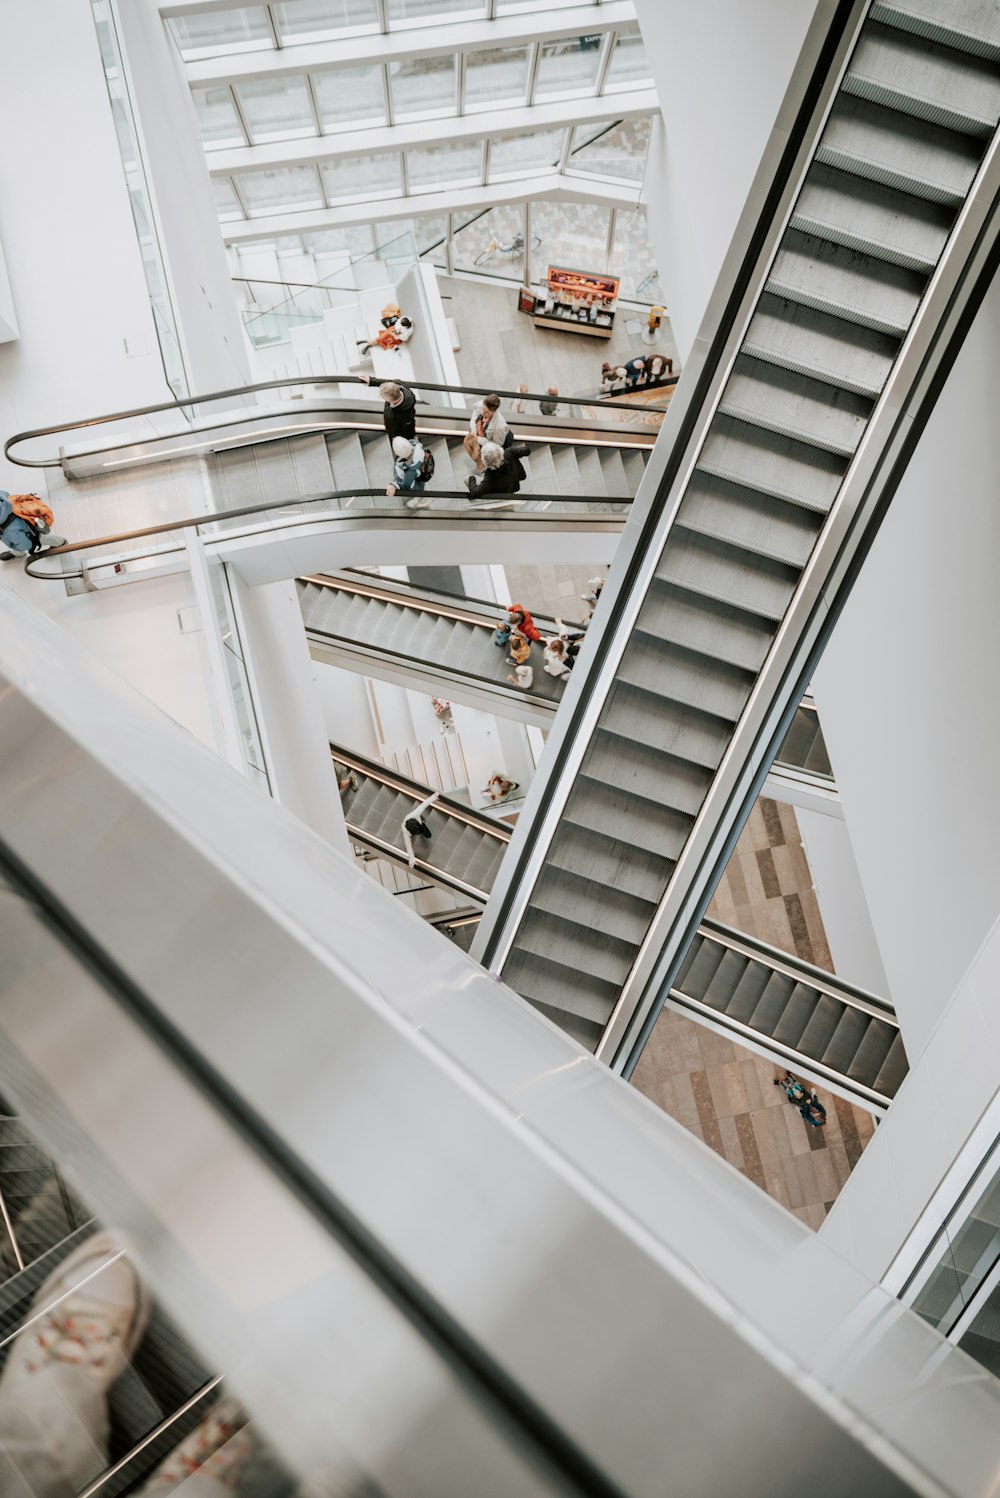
502 471
399 411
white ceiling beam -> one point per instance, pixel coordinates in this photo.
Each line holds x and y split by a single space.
309 150
552 189
463 36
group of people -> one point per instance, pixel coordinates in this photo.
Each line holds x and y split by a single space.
489 443
642 370
517 632
806 1103
547 407
393 330
25 525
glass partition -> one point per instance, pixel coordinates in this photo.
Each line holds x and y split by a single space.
633 257
568 68
571 234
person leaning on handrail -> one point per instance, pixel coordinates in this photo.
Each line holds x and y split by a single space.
400 410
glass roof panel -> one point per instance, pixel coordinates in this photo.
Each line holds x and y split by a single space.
629 64
513 7
618 151
403 13
227 204
375 176
498 75
350 96
218 120
245 29
530 151
277 108
269 191
568 67
319 20
453 164
423 86
572 234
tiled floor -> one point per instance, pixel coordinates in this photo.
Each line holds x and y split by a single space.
724 1093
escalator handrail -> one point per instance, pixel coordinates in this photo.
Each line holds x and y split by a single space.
84 423
413 595
397 781
192 522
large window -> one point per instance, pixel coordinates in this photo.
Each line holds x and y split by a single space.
350 97
634 259
277 108
615 149
629 64
374 176
291 187
244 30
423 86
319 20
432 12
492 242
497 76
455 164
568 68
217 117
528 153
571 234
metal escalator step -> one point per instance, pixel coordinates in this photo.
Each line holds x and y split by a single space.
702 961
394 630
758 522
799 1010
968 25
386 815
567 989
850 285
893 1069
479 654
451 852
680 675
310 462
628 818
591 472
747 992
568 480
543 471
771 1004
705 626
673 729
644 771
727 574
683 784
554 939
594 904
771 463
725 980
778 400
872 217
490 871
919 77
346 462
357 804
236 478
885 146
626 868
871 1053
445 476
614 478
584 1032
478 859
843 1045
815 343
824 1019
634 463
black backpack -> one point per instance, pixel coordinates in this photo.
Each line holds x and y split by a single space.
426 467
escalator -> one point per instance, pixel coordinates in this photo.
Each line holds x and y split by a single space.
874 245
794 1013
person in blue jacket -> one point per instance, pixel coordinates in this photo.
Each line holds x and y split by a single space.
20 537
407 472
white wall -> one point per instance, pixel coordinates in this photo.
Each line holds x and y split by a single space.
906 694
842 904
721 70
67 232
212 337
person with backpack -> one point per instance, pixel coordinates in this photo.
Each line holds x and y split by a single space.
411 470
25 525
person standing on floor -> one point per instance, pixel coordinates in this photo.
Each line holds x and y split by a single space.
400 410
408 472
635 371
519 406
413 825
550 406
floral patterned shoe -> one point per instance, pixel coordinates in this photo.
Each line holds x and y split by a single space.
216 1449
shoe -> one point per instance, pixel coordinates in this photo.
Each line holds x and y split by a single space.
420 503
216 1449
354 782
7 556
49 541
80 1334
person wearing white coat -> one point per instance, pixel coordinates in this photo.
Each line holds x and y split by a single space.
413 825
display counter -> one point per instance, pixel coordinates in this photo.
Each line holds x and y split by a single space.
574 301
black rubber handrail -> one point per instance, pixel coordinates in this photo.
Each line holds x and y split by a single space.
85 423
191 522
455 809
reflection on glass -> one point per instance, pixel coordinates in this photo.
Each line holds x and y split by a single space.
227 204
530 151
634 259
498 75
377 175
502 227
629 63
281 187
317 20
350 96
276 108
353 240
245 29
218 120
430 230
457 163
430 12
568 66
572 234
423 86
618 150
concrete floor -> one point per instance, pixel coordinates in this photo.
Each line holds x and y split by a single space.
723 1092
